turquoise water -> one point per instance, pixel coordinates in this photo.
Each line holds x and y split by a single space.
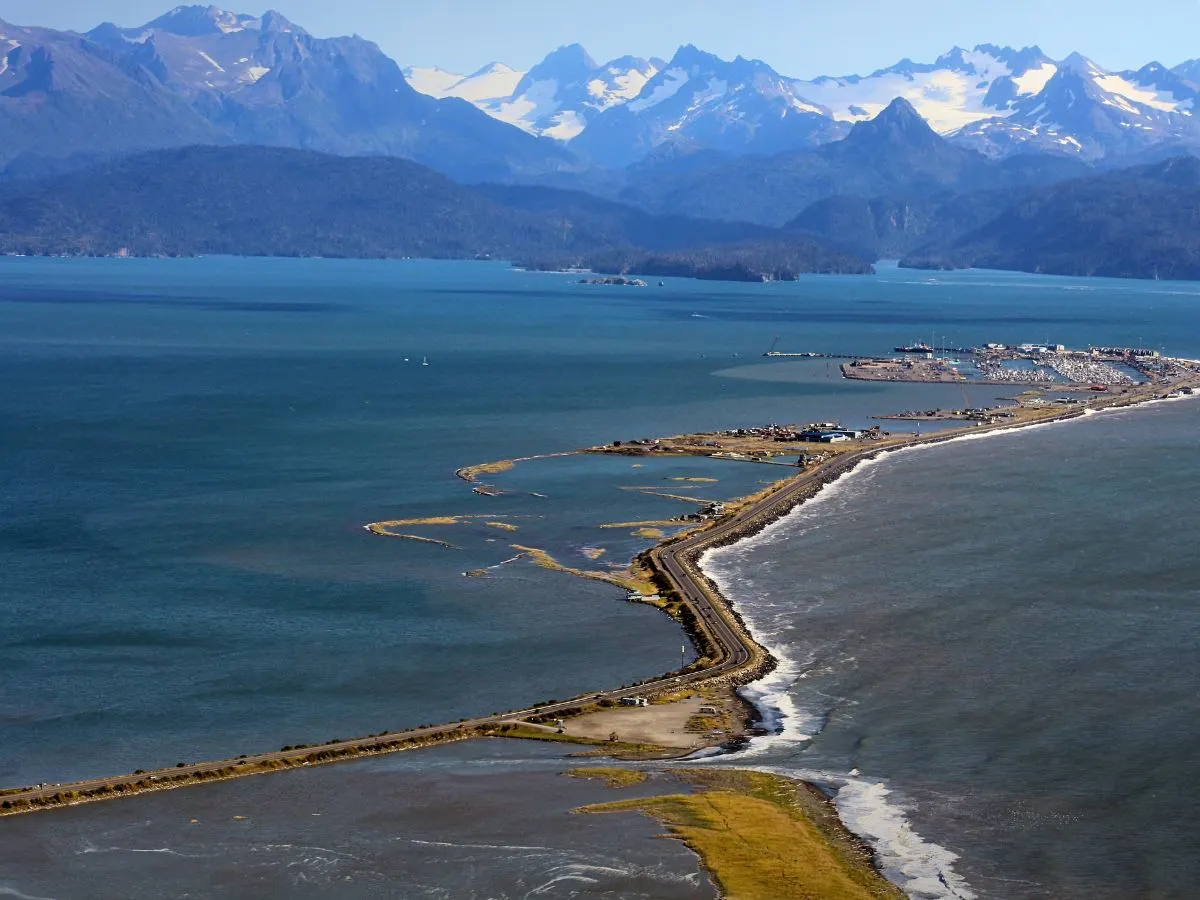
189 450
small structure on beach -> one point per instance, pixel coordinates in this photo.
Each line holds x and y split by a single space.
830 435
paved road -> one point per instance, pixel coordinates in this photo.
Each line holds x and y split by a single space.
735 650
734 647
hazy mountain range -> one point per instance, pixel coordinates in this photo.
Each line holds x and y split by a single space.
202 75
946 163
995 99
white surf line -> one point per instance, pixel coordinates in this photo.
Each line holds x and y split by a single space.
507 561
789 670
919 867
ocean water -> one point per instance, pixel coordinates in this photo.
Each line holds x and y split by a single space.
990 653
491 820
189 450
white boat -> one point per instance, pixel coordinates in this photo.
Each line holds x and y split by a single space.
424 360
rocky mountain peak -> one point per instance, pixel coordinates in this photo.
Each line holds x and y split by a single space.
1079 64
689 56
899 119
198 21
569 58
276 23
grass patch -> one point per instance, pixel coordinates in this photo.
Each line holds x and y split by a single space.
614 778
651 523
472 473
503 526
619 749
628 582
383 532
650 534
764 838
427 520
699 724
694 478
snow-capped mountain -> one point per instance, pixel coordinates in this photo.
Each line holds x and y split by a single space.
204 75
432 80
1088 112
560 95
960 87
199 74
494 81
197 49
62 95
994 99
702 101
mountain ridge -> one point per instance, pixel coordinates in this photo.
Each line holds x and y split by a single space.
998 100
202 75
895 154
1142 222
269 201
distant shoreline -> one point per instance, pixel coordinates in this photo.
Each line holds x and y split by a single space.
741 277
519 267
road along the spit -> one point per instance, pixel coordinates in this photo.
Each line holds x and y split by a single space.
737 657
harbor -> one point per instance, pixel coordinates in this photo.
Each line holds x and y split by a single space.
1030 364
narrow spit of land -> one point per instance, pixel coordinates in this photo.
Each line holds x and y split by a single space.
761 836
729 655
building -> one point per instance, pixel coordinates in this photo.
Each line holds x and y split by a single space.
830 435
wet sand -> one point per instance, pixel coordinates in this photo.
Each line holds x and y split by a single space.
664 725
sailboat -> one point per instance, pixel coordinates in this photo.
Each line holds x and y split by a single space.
424 360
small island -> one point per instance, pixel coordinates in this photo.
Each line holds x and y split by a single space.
619 280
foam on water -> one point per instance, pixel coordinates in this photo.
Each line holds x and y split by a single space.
919 867
785 721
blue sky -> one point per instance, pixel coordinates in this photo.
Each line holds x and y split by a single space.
800 38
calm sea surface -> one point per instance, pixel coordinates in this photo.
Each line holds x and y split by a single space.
998 635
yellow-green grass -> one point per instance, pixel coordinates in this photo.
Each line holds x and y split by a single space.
613 777
424 520
618 749
472 473
383 532
694 478
764 838
503 526
629 581
703 724
650 523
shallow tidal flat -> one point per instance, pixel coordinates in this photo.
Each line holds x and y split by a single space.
486 819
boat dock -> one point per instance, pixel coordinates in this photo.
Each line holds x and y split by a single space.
809 354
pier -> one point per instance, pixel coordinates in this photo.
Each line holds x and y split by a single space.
811 354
